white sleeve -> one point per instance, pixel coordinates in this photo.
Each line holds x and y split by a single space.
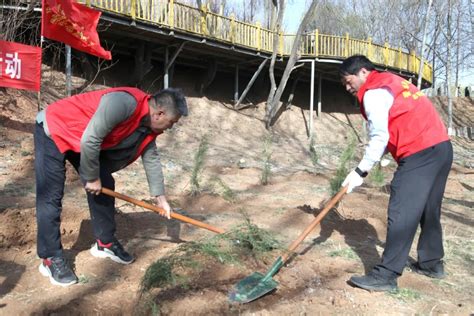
377 104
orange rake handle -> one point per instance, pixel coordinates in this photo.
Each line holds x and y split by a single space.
315 222
161 211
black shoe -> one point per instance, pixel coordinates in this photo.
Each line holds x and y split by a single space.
374 282
113 250
436 271
58 271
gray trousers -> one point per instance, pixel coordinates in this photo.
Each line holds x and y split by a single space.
417 191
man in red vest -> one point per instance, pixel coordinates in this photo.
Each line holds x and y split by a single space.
403 121
99 133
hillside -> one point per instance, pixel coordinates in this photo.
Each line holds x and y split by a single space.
348 241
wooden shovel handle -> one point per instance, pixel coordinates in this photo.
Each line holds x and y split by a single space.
161 211
315 222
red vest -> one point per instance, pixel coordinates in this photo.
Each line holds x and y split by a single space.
68 118
413 123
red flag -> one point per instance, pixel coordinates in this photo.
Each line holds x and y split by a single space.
20 66
73 24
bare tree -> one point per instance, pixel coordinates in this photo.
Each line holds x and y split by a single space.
457 48
339 18
279 10
448 69
423 42
471 20
436 34
464 38
267 14
246 10
101 65
273 101
18 23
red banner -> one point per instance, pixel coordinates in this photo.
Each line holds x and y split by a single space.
20 66
73 24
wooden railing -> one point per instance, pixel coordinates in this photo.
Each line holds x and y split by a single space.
203 22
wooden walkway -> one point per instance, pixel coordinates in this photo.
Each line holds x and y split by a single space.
202 23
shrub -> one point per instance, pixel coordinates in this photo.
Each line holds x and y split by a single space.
266 160
198 165
342 170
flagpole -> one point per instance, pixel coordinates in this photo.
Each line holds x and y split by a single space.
41 46
68 70
41 63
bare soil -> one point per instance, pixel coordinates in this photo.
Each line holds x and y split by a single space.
349 241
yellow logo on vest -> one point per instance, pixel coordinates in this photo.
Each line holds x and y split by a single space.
407 93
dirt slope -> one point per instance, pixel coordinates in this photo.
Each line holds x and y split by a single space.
347 242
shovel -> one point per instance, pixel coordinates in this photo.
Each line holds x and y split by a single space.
257 284
161 211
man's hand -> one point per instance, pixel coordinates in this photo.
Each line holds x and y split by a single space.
94 187
161 201
352 180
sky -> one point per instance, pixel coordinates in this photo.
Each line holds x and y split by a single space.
467 77
293 14
295 9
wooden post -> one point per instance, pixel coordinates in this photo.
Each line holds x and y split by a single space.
412 64
385 54
316 42
369 48
400 57
416 62
346 51
280 38
259 36
232 28
219 32
203 20
171 13
133 11
88 3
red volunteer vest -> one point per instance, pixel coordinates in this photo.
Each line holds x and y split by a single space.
68 118
413 122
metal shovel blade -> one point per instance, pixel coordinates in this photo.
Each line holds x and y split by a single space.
256 285
252 287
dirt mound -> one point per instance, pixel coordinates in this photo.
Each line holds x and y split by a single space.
463 107
349 240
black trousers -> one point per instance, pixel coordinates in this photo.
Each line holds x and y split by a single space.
417 191
50 171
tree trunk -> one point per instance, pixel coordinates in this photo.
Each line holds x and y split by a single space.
422 51
458 48
273 102
433 61
471 15
448 71
276 40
